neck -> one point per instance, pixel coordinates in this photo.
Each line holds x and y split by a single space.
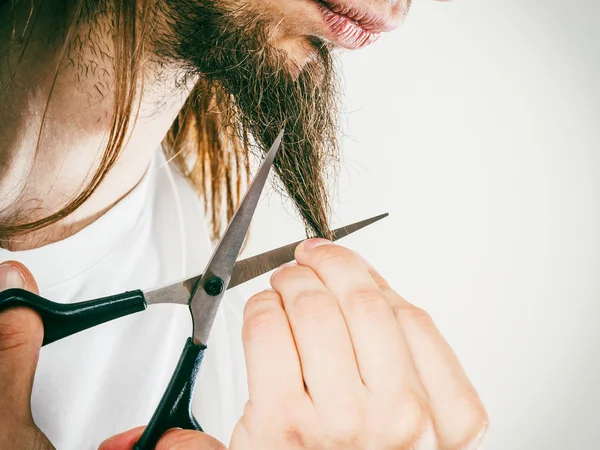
56 105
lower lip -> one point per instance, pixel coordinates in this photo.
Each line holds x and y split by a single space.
344 31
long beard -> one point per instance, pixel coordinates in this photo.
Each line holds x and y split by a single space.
262 93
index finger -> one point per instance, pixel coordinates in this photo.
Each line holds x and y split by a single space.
123 441
188 440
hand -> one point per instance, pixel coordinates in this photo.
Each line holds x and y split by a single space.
21 335
338 360
171 440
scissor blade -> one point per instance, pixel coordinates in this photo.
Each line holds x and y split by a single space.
204 306
247 269
255 266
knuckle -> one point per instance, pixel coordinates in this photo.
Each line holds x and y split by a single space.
260 319
294 437
291 414
313 306
383 284
19 327
472 421
261 300
367 301
260 324
414 414
179 439
12 336
427 439
346 426
288 428
293 425
287 274
333 254
421 317
409 423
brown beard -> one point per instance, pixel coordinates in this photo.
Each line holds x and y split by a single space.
259 95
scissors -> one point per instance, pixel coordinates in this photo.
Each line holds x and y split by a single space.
202 293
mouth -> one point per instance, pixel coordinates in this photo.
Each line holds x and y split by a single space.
352 26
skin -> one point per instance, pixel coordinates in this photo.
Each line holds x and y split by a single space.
336 359
79 122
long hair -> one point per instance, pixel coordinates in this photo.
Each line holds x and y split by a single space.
199 142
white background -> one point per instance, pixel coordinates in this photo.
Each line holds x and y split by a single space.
476 125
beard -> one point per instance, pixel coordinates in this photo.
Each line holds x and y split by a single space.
262 91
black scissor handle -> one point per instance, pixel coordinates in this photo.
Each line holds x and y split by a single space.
62 320
175 407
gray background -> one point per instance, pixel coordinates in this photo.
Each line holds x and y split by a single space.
476 125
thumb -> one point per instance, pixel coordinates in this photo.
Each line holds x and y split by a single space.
21 335
171 440
188 440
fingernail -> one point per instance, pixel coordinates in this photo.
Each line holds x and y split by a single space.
10 277
312 243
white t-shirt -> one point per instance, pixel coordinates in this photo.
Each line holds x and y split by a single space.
108 379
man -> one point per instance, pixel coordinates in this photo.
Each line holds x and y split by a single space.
335 358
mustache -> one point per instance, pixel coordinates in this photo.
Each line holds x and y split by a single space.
258 91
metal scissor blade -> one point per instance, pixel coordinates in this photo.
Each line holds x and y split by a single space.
204 305
255 266
246 269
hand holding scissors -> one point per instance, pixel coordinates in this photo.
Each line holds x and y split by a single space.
202 293
337 360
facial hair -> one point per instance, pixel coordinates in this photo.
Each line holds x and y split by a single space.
263 93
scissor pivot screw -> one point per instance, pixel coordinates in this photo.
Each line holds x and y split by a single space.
214 286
